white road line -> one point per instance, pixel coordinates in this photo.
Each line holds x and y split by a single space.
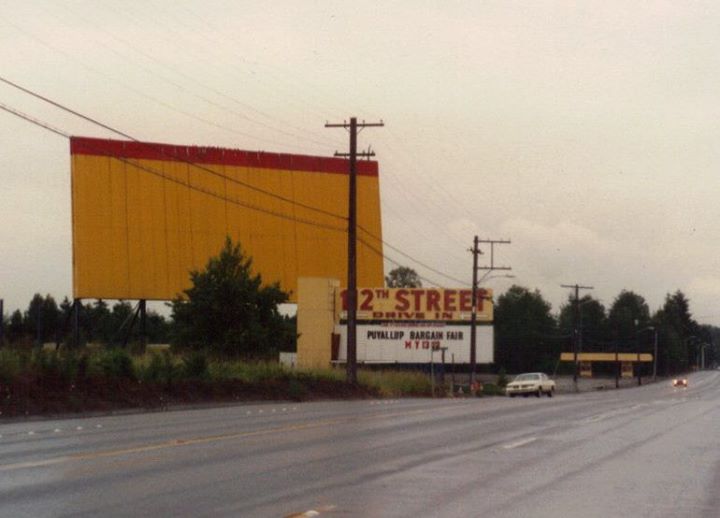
34 464
521 442
312 512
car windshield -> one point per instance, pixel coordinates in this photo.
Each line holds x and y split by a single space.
527 377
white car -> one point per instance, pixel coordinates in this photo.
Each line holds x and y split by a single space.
536 383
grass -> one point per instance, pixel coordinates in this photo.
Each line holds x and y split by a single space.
51 382
396 383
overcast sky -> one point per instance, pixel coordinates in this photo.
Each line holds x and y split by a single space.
585 132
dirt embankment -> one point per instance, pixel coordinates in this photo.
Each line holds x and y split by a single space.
27 396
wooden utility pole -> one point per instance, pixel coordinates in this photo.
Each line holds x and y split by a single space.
2 322
475 285
576 337
353 126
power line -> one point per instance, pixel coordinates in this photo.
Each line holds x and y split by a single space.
205 169
162 151
194 80
139 92
33 120
226 198
396 263
175 180
427 267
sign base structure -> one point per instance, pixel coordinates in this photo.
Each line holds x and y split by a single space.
414 342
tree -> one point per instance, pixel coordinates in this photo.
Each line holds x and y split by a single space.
42 319
403 277
15 328
525 331
593 320
228 310
628 314
679 335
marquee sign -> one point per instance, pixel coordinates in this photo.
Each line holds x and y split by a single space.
418 342
433 304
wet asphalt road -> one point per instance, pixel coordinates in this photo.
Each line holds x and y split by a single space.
652 451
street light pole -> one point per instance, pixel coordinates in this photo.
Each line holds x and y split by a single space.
655 348
655 355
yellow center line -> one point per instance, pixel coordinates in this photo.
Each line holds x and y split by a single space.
176 443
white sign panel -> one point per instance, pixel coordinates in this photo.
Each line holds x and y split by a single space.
412 342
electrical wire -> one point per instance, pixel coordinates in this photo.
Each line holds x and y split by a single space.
430 268
173 157
195 81
33 120
160 174
215 173
370 247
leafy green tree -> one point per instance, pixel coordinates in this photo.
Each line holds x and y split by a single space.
525 332
229 311
16 327
628 314
403 277
593 320
42 319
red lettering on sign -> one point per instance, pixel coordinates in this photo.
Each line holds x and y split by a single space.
367 297
449 300
481 296
382 293
403 304
408 344
433 301
417 295
465 300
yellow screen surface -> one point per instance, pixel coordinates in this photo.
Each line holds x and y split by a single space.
145 215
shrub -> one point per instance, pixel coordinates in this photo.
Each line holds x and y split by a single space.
396 383
249 372
490 389
195 366
72 366
158 368
502 379
45 364
296 390
152 372
10 365
115 363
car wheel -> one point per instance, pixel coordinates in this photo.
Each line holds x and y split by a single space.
512 395
539 393
550 392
